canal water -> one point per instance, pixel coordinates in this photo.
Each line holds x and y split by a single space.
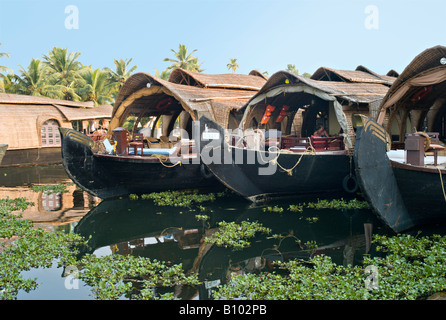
175 234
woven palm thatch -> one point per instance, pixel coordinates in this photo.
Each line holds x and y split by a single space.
258 74
360 75
418 94
353 92
21 117
224 81
429 62
214 96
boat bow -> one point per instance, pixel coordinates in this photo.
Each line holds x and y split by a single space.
376 177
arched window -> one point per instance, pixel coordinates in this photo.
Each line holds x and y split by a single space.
50 135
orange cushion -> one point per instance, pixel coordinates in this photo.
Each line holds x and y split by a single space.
436 146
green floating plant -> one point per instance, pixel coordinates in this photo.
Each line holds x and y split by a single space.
336 204
178 198
233 235
412 268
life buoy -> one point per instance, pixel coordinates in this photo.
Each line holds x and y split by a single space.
163 104
267 114
421 93
350 184
205 172
282 113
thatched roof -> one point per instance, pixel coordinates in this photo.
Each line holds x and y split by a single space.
224 81
72 114
21 117
360 75
426 69
71 110
392 73
211 95
6 98
354 92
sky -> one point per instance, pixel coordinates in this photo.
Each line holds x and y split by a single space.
264 35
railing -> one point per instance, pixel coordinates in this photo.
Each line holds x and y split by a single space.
318 143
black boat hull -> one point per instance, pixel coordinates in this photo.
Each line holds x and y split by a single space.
260 176
403 196
108 176
422 193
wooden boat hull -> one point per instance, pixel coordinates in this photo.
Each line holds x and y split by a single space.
310 174
109 176
403 196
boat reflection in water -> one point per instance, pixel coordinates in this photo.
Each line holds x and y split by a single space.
175 235
50 209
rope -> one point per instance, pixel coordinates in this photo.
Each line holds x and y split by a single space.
442 185
309 150
163 159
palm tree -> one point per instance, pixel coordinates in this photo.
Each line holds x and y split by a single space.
33 81
232 65
292 68
97 86
3 68
8 83
184 60
121 73
64 71
163 75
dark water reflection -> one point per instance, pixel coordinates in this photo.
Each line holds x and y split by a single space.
175 235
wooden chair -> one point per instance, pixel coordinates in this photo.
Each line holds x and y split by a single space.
137 142
434 145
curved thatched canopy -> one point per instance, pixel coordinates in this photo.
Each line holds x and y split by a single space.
258 74
213 96
344 92
418 92
297 92
223 81
360 75
392 73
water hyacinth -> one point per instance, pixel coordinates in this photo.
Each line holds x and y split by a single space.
413 268
336 204
233 235
178 198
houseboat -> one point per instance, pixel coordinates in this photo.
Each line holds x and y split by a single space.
276 151
29 126
400 159
157 152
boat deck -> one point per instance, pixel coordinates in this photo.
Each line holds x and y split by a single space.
400 156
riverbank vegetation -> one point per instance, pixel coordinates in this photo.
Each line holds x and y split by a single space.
407 266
